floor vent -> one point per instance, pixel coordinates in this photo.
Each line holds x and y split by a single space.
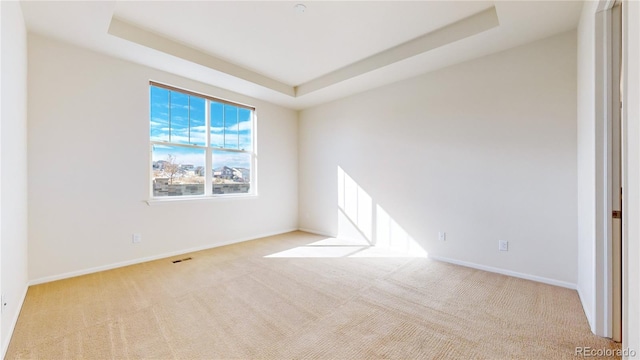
181 260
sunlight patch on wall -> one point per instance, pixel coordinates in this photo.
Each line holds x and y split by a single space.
359 217
365 230
356 209
393 238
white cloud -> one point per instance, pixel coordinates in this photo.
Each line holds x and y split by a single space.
242 126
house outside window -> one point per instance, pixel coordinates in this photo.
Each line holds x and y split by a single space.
201 146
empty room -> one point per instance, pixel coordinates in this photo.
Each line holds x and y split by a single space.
320 179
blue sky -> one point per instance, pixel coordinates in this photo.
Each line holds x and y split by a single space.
180 119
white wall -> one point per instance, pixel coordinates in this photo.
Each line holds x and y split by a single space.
631 210
89 161
483 150
13 159
586 150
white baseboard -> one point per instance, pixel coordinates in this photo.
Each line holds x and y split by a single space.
540 279
587 311
14 322
71 274
316 232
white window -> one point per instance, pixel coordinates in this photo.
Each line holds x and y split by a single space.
198 140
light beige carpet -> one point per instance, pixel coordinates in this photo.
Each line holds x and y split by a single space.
261 299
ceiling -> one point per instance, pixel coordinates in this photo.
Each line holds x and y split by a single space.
270 51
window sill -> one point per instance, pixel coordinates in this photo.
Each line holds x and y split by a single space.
198 199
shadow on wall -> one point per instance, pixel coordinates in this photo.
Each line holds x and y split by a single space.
365 229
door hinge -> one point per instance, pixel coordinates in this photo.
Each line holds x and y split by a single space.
617 214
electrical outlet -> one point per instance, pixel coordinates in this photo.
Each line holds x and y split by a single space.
136 238
503 245
442 236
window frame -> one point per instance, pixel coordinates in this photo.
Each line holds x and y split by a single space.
208 149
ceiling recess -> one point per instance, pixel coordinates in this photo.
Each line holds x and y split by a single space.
458 30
